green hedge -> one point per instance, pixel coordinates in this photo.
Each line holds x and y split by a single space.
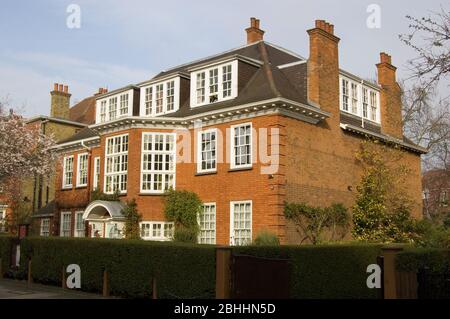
181 270
433 270
325 271
5 251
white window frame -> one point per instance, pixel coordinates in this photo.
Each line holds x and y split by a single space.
360 87
79 231
234 83
85 173
232 204
45 227
165 173
233 164
95 184
211 239
102 106
119 173
61 227
124 104
200 151
176 97
65 183
151 224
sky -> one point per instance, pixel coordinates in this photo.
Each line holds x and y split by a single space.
127 42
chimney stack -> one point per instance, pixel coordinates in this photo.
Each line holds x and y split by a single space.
101 91
390 98
323 70
254 33
60 101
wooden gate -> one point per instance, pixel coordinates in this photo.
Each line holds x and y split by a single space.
259 278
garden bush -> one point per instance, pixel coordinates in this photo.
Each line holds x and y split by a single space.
5 251
181 270
324 271
432 267
266 238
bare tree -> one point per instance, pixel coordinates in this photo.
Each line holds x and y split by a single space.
426 111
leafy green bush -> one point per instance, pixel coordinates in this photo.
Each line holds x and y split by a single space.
431 235
99 195
433 268
312 222
5 251
132 220
185 235
181 270
324 271
266 238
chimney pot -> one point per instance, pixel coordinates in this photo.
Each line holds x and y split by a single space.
55 87
325 26
385 58
60 88
66 89
254 33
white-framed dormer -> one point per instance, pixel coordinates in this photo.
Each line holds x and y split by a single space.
214 83
160 97
114 105
359 98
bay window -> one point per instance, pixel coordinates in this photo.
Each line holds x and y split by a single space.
158 162
116 166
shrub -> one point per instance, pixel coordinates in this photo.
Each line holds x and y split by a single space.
181 270
5 251
324 271
312 222
182 207
433 268
185 235
266 238
132 220
99 195
431 235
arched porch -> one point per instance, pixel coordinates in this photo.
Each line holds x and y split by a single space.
105 219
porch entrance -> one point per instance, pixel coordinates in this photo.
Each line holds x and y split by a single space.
105 219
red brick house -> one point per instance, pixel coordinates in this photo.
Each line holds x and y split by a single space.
247 130
436 193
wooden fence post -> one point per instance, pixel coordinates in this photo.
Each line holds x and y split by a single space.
30 279
154 289
397 285
223 272
105 283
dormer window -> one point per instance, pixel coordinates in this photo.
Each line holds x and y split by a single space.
160 97
114 106
359 98
213 84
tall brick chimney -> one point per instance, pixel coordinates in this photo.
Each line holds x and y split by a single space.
254 33
390 98
323 69
60 101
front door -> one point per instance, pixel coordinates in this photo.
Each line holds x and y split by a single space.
97 229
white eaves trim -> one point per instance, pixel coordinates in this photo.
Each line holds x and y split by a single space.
288 65
386 138
72 143
54 119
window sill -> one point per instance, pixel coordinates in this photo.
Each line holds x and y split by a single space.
64 189
205 173
81 187
151 194
239 169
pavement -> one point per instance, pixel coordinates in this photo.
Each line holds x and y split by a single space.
19 289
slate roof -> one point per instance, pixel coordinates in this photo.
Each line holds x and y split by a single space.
46 211
81 135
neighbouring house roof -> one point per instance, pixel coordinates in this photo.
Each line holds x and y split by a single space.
81 135
84 111
46 211
56 120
